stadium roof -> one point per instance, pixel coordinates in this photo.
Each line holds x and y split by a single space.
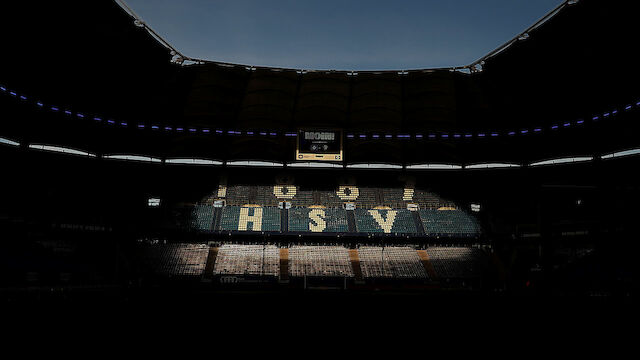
93 60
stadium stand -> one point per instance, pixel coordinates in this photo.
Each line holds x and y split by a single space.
303 198
322 211
120 129
426 200
390 262
395 221
319 261
448 223
257 260
243 218
239 195
393 198
397 262
328 199
175 259
318 220
367 198
202 217
457 262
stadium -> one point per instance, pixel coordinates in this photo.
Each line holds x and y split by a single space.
132 170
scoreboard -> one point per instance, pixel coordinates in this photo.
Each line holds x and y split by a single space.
322 145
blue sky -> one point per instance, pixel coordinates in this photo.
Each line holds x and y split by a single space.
340 35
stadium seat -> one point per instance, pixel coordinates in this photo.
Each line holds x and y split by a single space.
457 262
240 218
257 260
390 262
175 259
202 218
448 223
319 261
306 219
395 221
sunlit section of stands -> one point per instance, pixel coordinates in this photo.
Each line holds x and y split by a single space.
375 262
318 220
390 262
319 261
397 221
456 262
448 223
258 260
176 259
202 218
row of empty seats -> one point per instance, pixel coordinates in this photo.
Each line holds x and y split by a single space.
238 218
202 217
251 194
385 221
263 260
318 220
363 197
397 262
447 222
325 261
335 220
456 262
175 259
390 262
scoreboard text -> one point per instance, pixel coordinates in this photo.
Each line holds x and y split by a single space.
323 145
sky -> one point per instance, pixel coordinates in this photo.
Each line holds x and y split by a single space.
340 34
